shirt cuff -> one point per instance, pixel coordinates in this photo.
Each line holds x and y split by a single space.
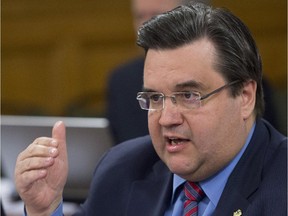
58 211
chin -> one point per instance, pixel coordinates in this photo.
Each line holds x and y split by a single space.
179 166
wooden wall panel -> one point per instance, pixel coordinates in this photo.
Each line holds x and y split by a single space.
56 51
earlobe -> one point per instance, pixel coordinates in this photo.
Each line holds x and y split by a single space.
248 98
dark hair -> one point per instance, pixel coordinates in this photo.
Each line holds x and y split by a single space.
236 52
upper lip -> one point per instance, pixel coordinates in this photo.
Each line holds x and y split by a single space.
170 137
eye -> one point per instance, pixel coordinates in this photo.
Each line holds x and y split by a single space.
155 97
188 96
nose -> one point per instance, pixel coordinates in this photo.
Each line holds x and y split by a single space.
170 114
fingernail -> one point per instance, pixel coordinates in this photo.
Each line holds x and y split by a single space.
52 151
49 160
54 143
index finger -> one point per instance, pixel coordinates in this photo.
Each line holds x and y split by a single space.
41 147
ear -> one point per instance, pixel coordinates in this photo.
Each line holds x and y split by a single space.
248 99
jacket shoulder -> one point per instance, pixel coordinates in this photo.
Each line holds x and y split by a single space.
136 155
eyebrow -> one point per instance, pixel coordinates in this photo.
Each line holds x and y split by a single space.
191 84
147 89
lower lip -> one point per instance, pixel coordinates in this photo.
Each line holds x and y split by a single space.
175 148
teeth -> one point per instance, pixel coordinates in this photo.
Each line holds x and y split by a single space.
175 141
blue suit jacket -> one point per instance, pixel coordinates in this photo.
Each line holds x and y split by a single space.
131 180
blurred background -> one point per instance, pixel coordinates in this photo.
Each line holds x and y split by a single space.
57 55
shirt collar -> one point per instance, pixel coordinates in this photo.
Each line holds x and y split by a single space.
214 186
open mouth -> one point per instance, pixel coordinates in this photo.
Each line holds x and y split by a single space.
176 141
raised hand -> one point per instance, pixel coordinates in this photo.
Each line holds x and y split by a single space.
41 172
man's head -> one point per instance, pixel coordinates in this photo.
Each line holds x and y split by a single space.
196 50
238 57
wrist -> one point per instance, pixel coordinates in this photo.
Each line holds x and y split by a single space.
56 205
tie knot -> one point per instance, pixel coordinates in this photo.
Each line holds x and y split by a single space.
193 192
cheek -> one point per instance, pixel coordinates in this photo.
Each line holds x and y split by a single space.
155 130
221 116
212 127
218 129
153 123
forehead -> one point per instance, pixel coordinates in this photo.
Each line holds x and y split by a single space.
166 69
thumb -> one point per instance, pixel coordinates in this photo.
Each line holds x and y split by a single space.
59 134
59 170
59 131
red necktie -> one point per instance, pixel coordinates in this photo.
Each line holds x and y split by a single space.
193 195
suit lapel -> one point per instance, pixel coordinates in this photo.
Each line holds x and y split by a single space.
151 196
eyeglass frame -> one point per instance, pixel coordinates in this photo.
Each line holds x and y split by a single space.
173 95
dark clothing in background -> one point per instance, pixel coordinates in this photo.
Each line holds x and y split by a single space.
127 120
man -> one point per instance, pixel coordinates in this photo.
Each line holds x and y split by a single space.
202 89
126 119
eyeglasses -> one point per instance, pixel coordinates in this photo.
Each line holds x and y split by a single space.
187 100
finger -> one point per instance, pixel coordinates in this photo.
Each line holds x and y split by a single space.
29 177
59 134
47 141
37 150
35 163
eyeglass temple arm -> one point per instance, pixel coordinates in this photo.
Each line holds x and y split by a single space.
218 90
